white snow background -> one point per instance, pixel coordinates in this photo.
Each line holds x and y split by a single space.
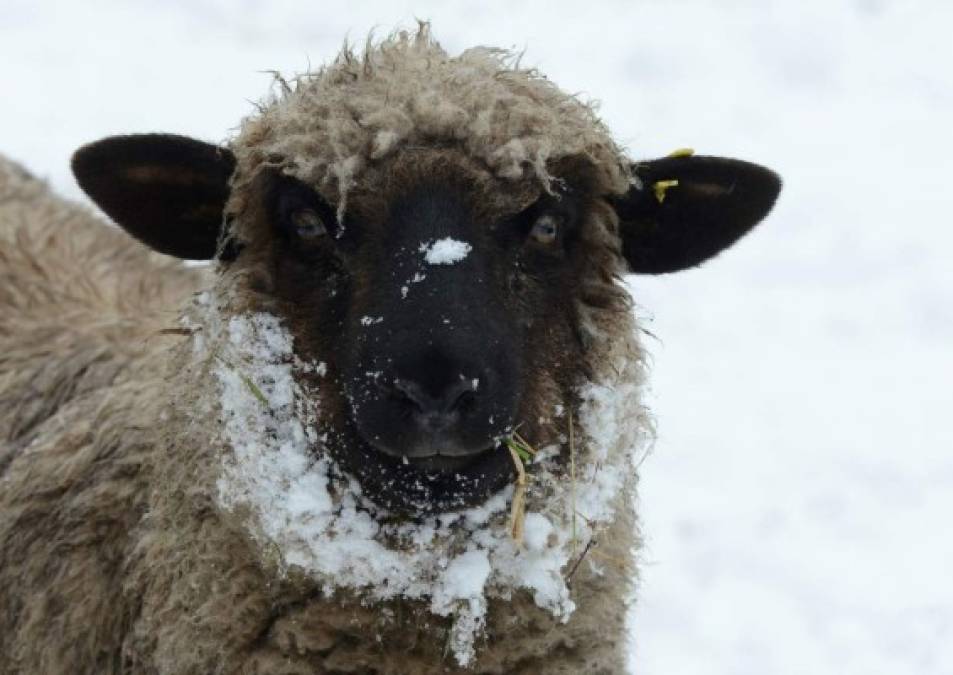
798 507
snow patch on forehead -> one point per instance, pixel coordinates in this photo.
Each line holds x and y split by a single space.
306 513
446 251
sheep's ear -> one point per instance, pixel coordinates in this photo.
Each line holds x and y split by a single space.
682 210
167 191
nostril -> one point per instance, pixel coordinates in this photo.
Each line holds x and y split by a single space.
410 394
461 398
465 402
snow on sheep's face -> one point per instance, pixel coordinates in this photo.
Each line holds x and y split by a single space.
446 303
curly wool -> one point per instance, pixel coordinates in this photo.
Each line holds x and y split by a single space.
329 126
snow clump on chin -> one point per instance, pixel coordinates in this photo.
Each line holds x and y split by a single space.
304 512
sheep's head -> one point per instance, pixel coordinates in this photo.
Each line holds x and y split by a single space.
444 233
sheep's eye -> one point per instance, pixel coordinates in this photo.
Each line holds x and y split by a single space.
545 230
308 224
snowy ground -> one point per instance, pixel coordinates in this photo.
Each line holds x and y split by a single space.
798 505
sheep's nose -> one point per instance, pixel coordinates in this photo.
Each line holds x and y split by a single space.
436 410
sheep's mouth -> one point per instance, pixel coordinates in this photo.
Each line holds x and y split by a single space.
445 463
431 483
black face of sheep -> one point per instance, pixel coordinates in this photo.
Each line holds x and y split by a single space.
431 310
427 350
411 305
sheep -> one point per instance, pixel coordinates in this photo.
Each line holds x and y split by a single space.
392 429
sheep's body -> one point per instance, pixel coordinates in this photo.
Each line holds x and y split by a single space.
176 497
114 556
81 304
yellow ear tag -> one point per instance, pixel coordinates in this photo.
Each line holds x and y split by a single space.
661 186
682 152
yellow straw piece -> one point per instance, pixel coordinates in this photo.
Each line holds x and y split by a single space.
661 186
682 152
518 507
572 484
